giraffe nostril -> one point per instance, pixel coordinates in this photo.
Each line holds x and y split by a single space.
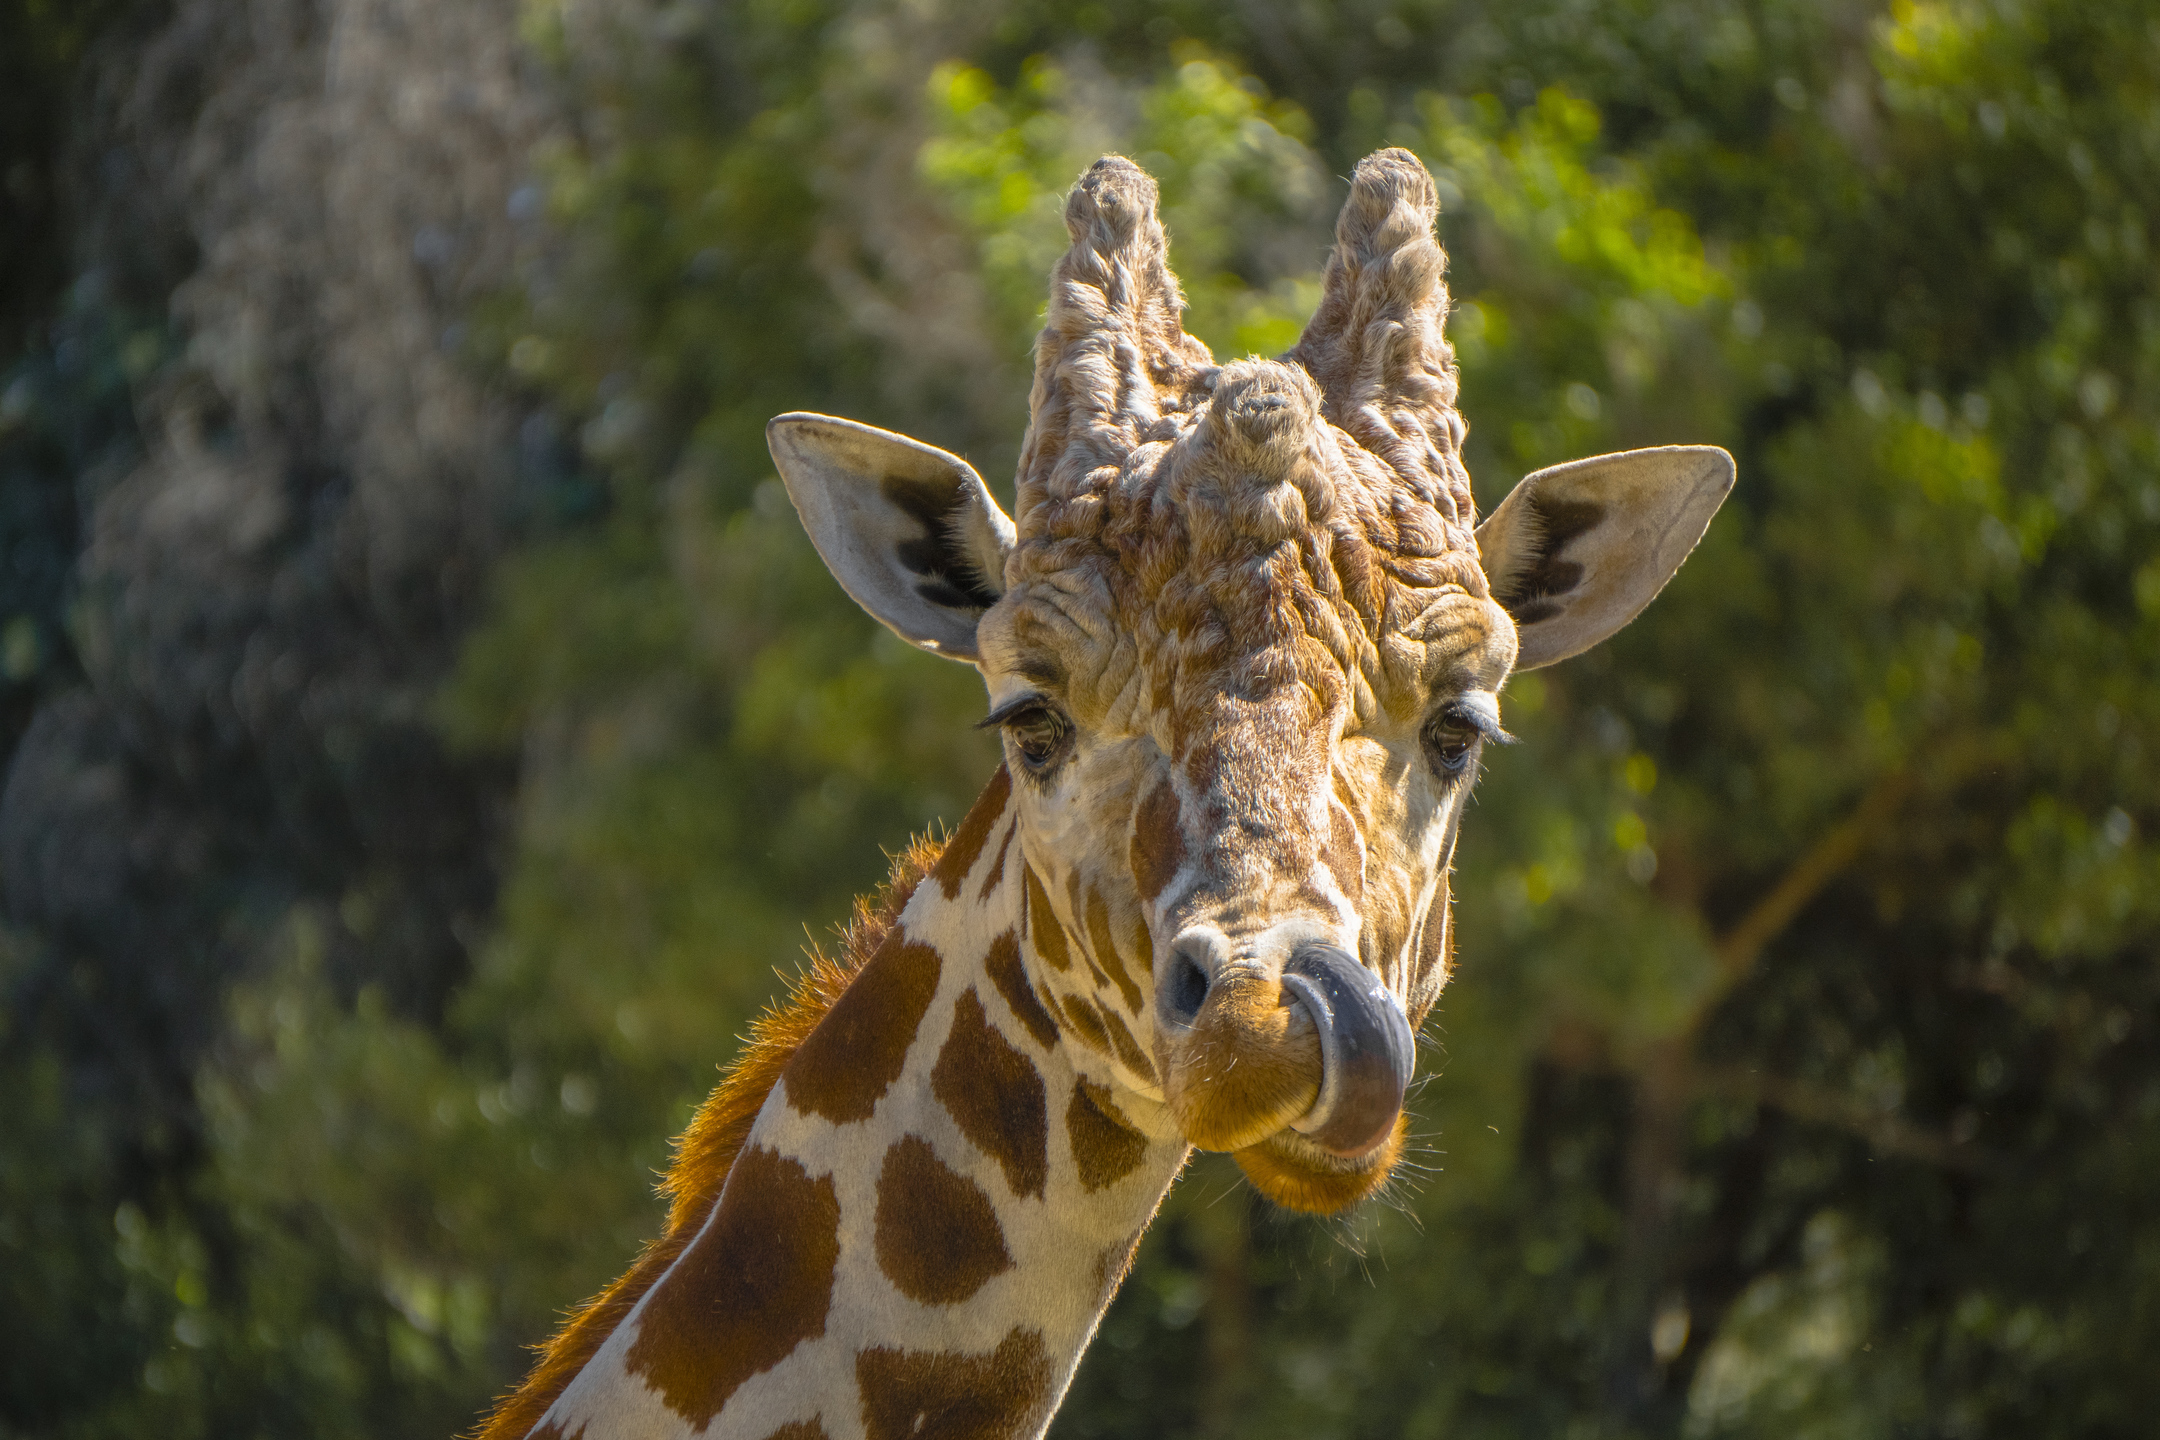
1188 982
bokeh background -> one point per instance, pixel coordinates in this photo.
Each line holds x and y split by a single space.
427 729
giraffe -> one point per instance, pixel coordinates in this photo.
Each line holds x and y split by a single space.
1243 643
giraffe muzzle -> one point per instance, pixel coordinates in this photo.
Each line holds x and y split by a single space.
1366 1050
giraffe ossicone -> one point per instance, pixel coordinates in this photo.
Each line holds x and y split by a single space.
1243 641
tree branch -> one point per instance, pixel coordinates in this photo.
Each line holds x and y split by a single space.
1830 855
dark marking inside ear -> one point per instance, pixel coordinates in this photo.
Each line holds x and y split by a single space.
1529 594
944 574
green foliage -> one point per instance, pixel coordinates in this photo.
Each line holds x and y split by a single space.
1240 188
1798 1078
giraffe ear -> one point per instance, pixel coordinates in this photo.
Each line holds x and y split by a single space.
1577 551
909 531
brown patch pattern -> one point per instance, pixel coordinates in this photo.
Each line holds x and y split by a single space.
1009 973
800 1430
995 1096
1126 1048
1158 842
938 1237
750 1289
1106 949
1079 906
996 875
967 842
845 1066
1105 1149
707 1150
1084 1023
932 1395
1043 926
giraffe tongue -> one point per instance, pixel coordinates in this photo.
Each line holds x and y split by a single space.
1366 1050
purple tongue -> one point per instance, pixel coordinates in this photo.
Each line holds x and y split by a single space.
1366 1050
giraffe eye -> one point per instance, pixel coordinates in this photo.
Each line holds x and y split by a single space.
1039 735
1451 738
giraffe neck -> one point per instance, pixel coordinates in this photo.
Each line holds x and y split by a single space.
929 1215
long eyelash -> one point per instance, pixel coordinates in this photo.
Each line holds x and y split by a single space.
1483 717
1019 705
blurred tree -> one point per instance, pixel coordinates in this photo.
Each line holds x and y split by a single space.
1800 1070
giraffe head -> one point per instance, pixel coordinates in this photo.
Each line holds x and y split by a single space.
1244 644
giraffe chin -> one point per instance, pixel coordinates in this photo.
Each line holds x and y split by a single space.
1297 1174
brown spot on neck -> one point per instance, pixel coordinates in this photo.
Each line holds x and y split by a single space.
1105 1148
848 1062
938 1237
1158 842
709 1148
967 842
935 1395
800 1430
995 1096
757 1283
1009 974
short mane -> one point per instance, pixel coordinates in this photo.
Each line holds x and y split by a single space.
707 1150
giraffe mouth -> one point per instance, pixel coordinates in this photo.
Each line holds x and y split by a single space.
1318 1058
1345 1146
